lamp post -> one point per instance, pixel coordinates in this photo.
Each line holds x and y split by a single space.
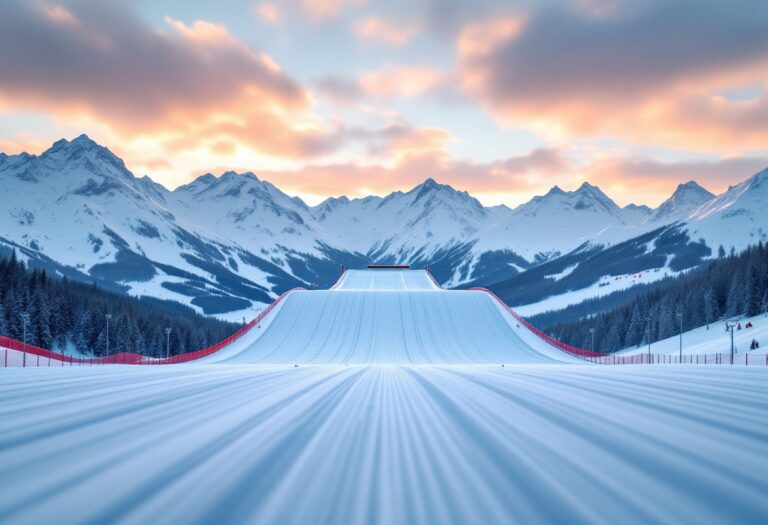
168 343
108 317
592 332
24 321
680 316
731 325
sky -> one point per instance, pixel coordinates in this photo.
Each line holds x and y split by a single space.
501 98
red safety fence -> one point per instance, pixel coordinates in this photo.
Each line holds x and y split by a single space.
635 359
35 356
551 340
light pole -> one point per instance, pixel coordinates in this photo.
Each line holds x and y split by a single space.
168 343
680 316
108 317
592 331
24 321
731 325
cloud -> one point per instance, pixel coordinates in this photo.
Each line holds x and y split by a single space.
394 33
646 71
512 180
269 12
180 84
339 90
651 181
514 177
400 81
322 10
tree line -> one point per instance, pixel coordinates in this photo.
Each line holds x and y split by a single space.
731 286
66 314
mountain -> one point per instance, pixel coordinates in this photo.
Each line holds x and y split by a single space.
432 223
226 245
222 245
684 201
735 219
560 221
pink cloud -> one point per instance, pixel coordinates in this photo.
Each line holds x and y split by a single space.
387 31
624 70
400 81
269 12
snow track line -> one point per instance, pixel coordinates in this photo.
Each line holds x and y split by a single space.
389 444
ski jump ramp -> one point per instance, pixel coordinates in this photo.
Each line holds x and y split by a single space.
393 317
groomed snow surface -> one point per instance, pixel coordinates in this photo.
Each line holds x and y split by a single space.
419 423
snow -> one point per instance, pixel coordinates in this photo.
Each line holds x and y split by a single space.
738 218
385 280
390 316
328 413
715 339
566 272
383 444
604 286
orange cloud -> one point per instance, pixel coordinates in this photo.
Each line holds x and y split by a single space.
511 177
604 69
190 85
649 181
513 180
386 31
268 12
400 81
321 10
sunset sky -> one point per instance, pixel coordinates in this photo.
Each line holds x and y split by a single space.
327 97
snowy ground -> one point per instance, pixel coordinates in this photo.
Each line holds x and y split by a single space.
388 444
713 340
606 285
385 440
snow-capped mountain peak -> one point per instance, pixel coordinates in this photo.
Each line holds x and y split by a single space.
736 218
586 198
685 200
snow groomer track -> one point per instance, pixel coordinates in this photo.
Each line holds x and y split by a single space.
393 317
383 400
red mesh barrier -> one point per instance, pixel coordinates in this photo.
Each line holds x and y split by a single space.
129 358
552 341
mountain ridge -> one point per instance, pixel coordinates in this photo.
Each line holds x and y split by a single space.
228 244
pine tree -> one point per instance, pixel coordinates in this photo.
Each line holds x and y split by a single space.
711 309
753 293
3 320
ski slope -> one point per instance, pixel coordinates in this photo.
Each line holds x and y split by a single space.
392 317
383 444
383 400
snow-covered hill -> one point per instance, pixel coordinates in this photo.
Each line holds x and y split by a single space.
227 245
735 219
713 339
